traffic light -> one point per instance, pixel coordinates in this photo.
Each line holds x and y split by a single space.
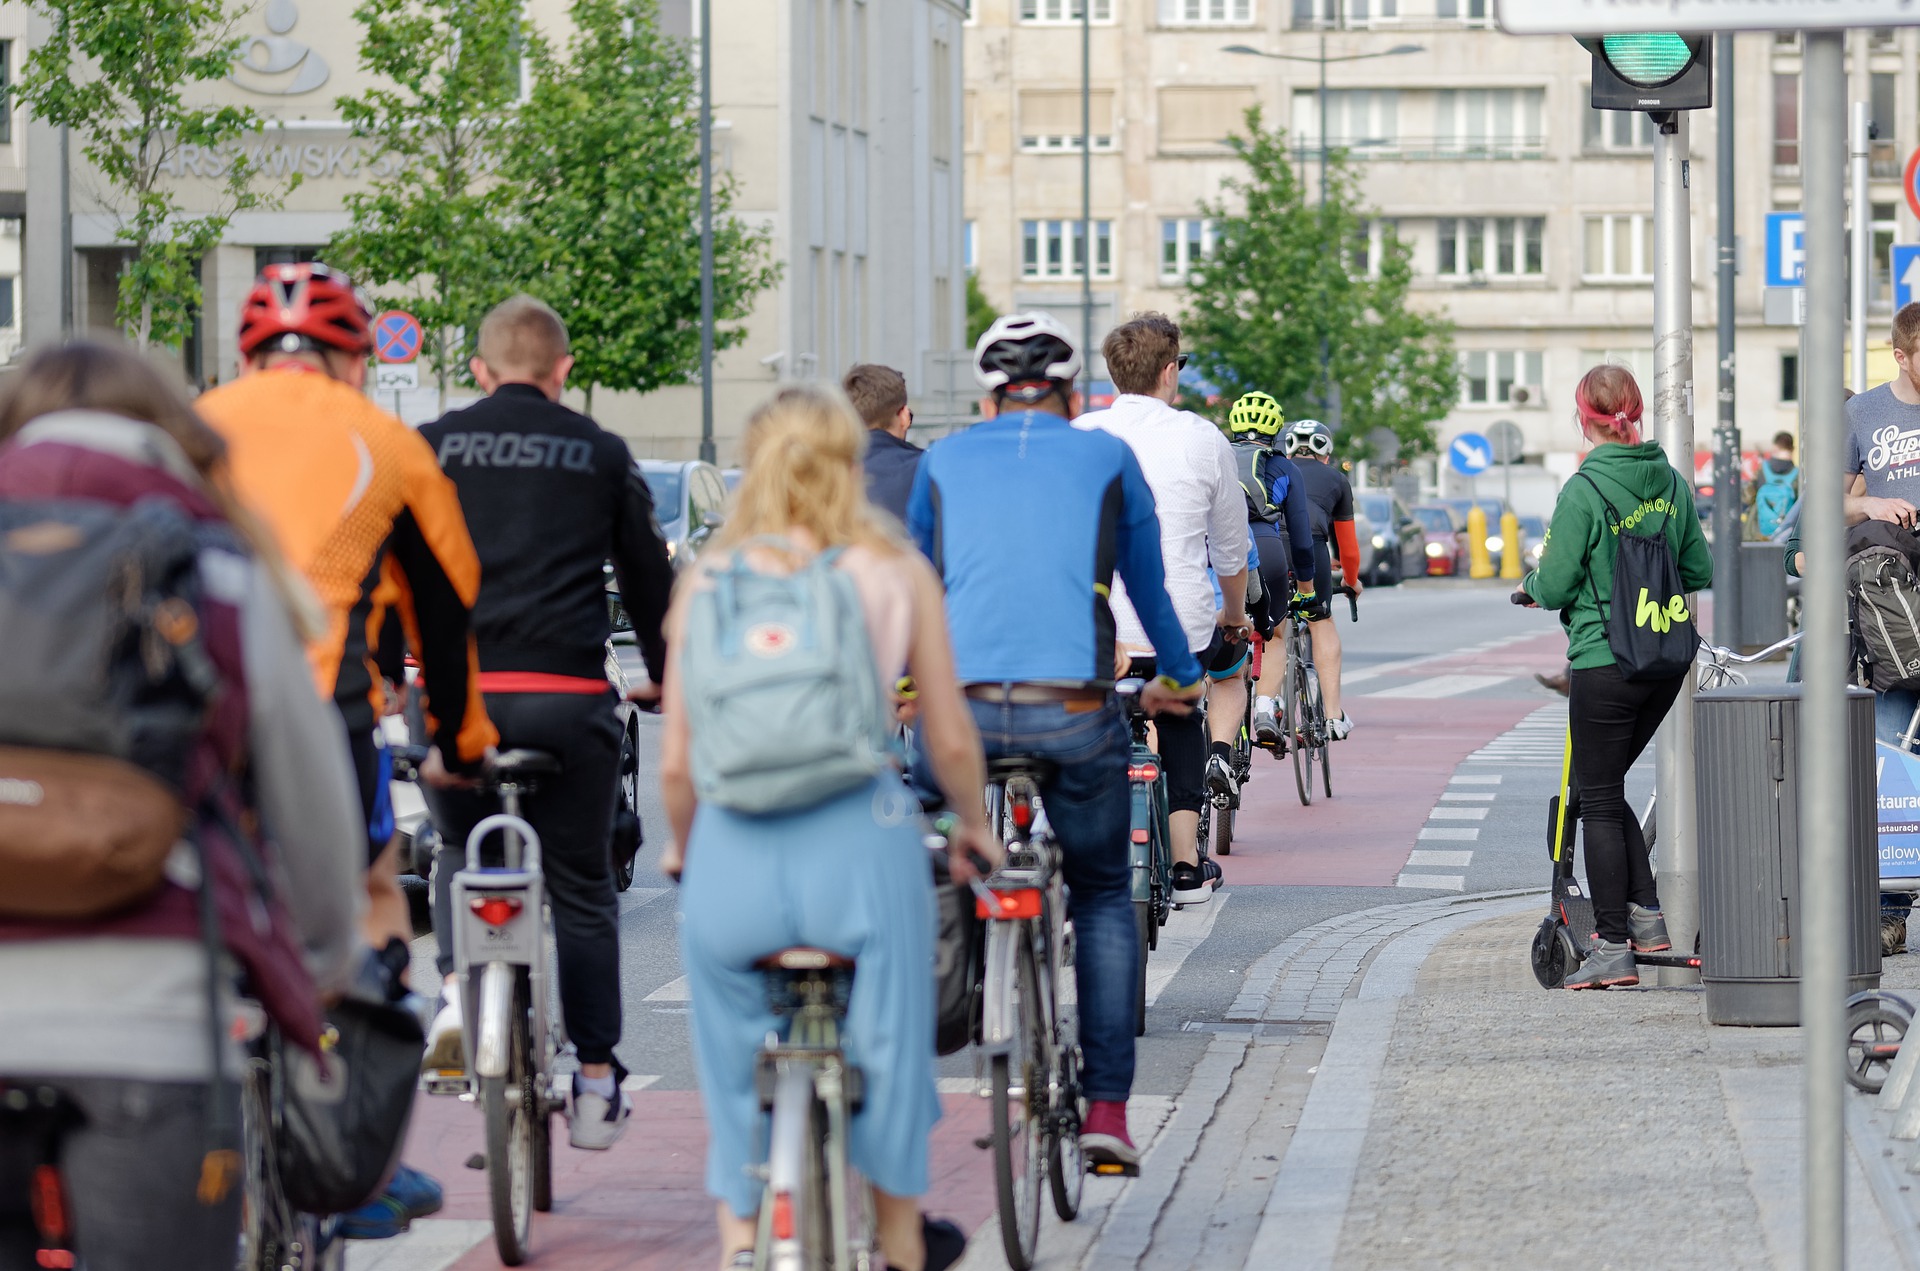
1657 71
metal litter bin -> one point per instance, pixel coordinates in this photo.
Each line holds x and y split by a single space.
1747 765
1763 594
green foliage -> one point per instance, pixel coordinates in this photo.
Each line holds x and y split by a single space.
1281 281
980 311
603 165
426 230
118 74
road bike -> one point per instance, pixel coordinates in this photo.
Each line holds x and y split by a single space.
1303 714
1028 1033
502 930
817 1211
1226 805
1149 840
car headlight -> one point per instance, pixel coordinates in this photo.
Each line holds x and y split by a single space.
673 548
1494 543
1436 550
1379 540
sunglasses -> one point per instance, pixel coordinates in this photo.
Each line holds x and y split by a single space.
1181 361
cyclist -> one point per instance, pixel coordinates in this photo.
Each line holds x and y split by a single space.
846 873
358 504
111 1012
1203 523
1331 497
551 497
1027 519
1282 526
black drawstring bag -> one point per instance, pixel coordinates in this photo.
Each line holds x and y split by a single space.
1650 626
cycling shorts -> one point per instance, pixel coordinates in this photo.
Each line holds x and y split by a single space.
1322 581
1276 575
373 773
1225 656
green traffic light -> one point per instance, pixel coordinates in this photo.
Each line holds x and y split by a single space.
1647 60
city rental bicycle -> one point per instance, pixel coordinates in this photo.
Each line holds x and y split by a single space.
1303 715
1149 843
502 929
1028 1034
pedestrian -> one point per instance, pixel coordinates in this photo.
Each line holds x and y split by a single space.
879 397
847 872
1624 486
110 1013
1774 492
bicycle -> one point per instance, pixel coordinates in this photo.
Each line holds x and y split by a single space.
502 930
1303 715
1226 805
1029 1040
275 1236
1150 842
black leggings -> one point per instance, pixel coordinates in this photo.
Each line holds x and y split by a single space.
1612 720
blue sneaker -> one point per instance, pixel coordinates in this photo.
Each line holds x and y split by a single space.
408 1196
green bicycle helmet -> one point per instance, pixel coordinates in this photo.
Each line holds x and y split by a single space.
1256 413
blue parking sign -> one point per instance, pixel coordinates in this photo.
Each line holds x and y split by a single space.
1906 273
1786 249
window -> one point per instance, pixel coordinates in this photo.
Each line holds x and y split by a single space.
1050 120
1358 119
1639 361
1369 247
1206 12
1489 378
1351 14
1044 11
971 246
1052 249
1619 247
1789 377
1786 120
1501 246
1498 123
6 102
1202 118
1885 159
1465 10
1183 244
1886 232
1622 131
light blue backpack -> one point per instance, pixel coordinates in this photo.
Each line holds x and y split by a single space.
783 697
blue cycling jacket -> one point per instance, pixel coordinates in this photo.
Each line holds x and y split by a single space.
1027 518
1286 491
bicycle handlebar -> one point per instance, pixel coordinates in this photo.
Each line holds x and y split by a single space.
1720 654
1303 606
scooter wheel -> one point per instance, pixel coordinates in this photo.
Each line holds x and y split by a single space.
1551 959
1877 1022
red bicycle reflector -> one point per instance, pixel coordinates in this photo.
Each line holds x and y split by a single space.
1024 903
496 911
1140 835
783 1216
1143 772
1022 814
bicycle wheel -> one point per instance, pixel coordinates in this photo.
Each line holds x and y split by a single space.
1066 1163
1223 827
1300 729
1143 927
1017 1130
508 1105
1326 758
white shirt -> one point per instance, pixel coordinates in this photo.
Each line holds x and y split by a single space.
1203 514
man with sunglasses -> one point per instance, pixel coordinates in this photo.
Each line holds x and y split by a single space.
1195 481
879 397
1330 503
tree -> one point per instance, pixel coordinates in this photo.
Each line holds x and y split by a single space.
980 311
427 230
1285 276
604 168
119 73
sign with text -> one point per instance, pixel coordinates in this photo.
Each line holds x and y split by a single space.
1898 788
1619 17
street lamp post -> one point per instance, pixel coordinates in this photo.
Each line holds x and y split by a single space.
706 231
1329 391
1086 191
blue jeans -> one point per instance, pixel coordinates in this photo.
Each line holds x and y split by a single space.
1892 712
1087 805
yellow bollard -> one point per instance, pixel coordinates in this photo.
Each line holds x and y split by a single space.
1481 562
1513 547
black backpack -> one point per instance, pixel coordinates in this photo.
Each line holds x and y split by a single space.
1883 605
1649 625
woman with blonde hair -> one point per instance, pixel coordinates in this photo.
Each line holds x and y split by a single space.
1625 485
846 872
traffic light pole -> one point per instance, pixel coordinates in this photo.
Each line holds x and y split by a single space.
1679 855
1824 783
1726 442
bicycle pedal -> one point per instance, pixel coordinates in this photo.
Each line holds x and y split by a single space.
983 1142
1112 1169
478 1161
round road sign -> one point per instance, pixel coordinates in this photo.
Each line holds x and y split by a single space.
1909 185
1509 443
396 336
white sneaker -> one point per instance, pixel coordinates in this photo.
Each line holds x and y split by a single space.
1266 724
446 1051
1338 729
593 1120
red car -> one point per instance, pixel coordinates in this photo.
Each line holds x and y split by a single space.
1446 540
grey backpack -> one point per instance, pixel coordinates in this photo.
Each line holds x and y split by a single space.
783 697
1883 601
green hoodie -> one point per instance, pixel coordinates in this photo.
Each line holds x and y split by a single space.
1576 560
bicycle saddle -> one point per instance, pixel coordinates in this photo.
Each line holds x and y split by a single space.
525 763
1041 770
802 958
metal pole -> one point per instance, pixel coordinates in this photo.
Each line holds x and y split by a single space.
1726 467
66 236
1673 421
1823 725
1862 272
1326 353
707 451
1086 189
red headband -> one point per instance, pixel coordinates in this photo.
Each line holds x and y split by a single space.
1624 424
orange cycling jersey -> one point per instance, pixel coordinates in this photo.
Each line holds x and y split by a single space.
360 506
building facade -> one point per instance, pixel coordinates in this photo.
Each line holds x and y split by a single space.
1529 215
838 120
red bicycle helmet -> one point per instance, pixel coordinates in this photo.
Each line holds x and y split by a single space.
298 307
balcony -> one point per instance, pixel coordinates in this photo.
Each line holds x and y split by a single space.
1426 149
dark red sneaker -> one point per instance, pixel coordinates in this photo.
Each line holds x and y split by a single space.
1104 1141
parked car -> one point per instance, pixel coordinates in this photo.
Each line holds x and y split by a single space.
1494 508
1533 533
1445 540
689 499
1396 548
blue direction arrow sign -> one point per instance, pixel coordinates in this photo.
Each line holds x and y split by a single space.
1906 274
1470 454
1786 249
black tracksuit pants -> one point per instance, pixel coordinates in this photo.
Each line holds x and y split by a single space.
1612 720
573 814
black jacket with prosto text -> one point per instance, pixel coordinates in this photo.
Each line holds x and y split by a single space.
549 498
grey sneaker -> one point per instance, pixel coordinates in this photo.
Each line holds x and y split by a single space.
445 1051
595 1121
1893 935
1266 725
1649 927
1606 966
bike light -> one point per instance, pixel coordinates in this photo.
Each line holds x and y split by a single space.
1436 550
496 911
1143 772
1022 811
1023 903
1140 835
783 1216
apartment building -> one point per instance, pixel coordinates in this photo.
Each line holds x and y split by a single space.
1527 213
838 119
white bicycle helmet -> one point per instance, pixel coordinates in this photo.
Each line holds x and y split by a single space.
1028 350
1309 435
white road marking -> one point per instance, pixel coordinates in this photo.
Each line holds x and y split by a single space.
1458 814
636 1082
1449 833
1432 882
957 1085
671 991
1441 686
1468 796
1184 933
1477 780
1455 860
